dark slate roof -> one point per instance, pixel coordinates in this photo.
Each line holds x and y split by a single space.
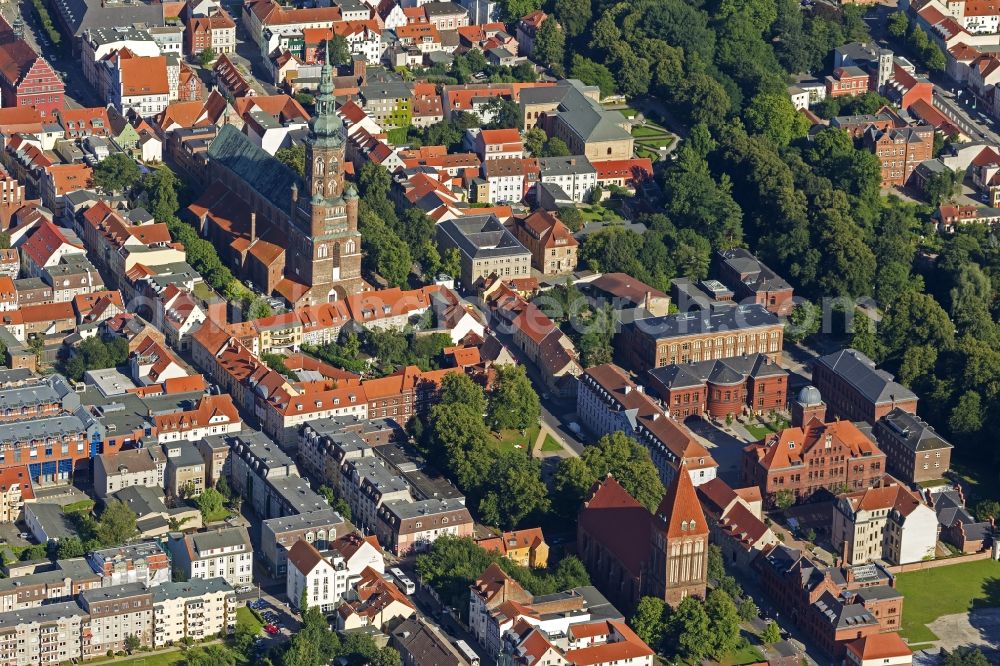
262 172
481 236
911 430
758 276
877 386
736 318
723 371
94 14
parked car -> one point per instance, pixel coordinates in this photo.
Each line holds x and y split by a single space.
243 589
271 629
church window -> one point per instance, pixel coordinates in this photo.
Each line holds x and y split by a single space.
321 251
318 169
350 247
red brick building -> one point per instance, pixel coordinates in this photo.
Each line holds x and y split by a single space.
844 81
752 281
630 553
690 337
900 151
721 388
552 246
854 389
26 79
832 605
836 456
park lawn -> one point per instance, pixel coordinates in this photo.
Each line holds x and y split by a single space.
628 112
760 431
649 131
947 590
203 291
549 445
82 505
247 616
217 516
647 153
171 658
748 655
508 440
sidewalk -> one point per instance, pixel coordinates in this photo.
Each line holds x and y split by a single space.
545 430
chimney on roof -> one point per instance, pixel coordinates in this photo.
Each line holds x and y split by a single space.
253 227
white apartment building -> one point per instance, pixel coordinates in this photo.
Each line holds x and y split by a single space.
125 469
327 575
115 613
575 175
41 635
887 522
197 609
224 553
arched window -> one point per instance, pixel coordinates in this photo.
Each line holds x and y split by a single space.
318 167
350 248
321 252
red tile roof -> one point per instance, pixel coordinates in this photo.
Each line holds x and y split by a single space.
611 512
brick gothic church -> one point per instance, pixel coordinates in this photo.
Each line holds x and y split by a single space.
631 553
297 239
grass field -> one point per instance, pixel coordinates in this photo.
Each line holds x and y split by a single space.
509 440
550 445
162 659
932 593
762 430
648 131
82 505
217 516
748 655
247 616
628 112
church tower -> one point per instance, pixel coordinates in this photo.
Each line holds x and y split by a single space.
679 534
335 245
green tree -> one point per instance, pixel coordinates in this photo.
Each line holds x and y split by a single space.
160 188
244 636
206 57
459 389
340 52
968 415
863 337
987 509
748 610
37 551
941 187
293 157
505 114
555 147
116 173
573 16
70 546
897 24
513 10
210 655
571 217
534 141
804 320
512 402
259 308
210 503
513 490
688 630
771 633
784 499
650 620
117 524
615 454
966 656
132 643
723 622
593 74
772 115
550 43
